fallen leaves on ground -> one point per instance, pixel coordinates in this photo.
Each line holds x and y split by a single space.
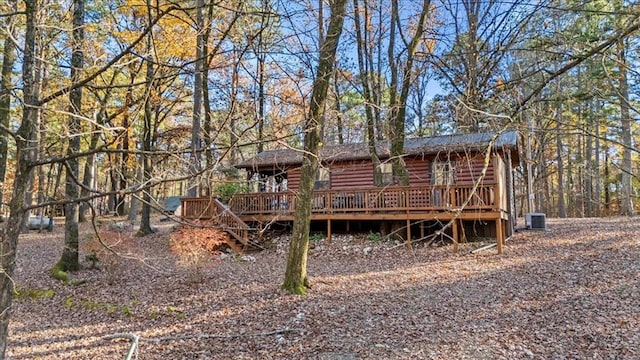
570 292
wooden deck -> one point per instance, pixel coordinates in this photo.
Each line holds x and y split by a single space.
413 203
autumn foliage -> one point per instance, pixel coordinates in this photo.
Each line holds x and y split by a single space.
195 245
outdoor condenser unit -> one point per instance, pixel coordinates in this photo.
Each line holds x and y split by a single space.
536 221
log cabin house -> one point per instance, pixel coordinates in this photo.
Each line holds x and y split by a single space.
462 179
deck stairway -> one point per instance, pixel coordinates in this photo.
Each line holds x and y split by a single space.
241 236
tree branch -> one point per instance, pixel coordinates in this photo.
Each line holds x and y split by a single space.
577 61
108 65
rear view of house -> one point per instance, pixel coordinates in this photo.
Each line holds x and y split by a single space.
463 180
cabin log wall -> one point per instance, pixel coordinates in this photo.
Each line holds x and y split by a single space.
358 174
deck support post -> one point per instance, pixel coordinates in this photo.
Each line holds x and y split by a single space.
454 228
409 234
499 236
422 229
329 231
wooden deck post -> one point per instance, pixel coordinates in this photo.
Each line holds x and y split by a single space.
499 236
329 231
409 234
454 228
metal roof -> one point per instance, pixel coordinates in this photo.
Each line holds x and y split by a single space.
413 146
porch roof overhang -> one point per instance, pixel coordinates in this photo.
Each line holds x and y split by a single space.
456 143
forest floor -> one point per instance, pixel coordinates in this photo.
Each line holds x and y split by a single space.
571 292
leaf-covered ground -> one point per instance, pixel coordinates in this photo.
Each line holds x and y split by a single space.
571 292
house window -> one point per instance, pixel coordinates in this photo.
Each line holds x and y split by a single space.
386 170
323 179
443 173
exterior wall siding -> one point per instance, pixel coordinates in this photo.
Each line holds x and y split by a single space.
293 178
359 173
351 175
419 169
468 169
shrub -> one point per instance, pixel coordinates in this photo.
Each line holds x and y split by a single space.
374 237
226 190
195 246
108 251
314 238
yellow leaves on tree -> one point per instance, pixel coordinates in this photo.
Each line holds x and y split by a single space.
174 37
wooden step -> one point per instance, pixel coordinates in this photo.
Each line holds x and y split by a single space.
233 245
239 246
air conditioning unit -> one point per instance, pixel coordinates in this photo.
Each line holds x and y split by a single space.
536 221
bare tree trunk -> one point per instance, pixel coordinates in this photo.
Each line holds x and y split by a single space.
145 216
295 280
547 201
8 60
23 170
588 164
197 102
38 79
234 106
562 207
571 210
113 182
208 56
90 179
40 172
338 109
398 99
134 204
323 121
52 193
38 190
89 176
365 79
377 76
596 169
207 136
607 192
579 175
626 199
261 80
69 260
121 184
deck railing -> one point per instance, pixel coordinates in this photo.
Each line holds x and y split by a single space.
373 200
212 208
